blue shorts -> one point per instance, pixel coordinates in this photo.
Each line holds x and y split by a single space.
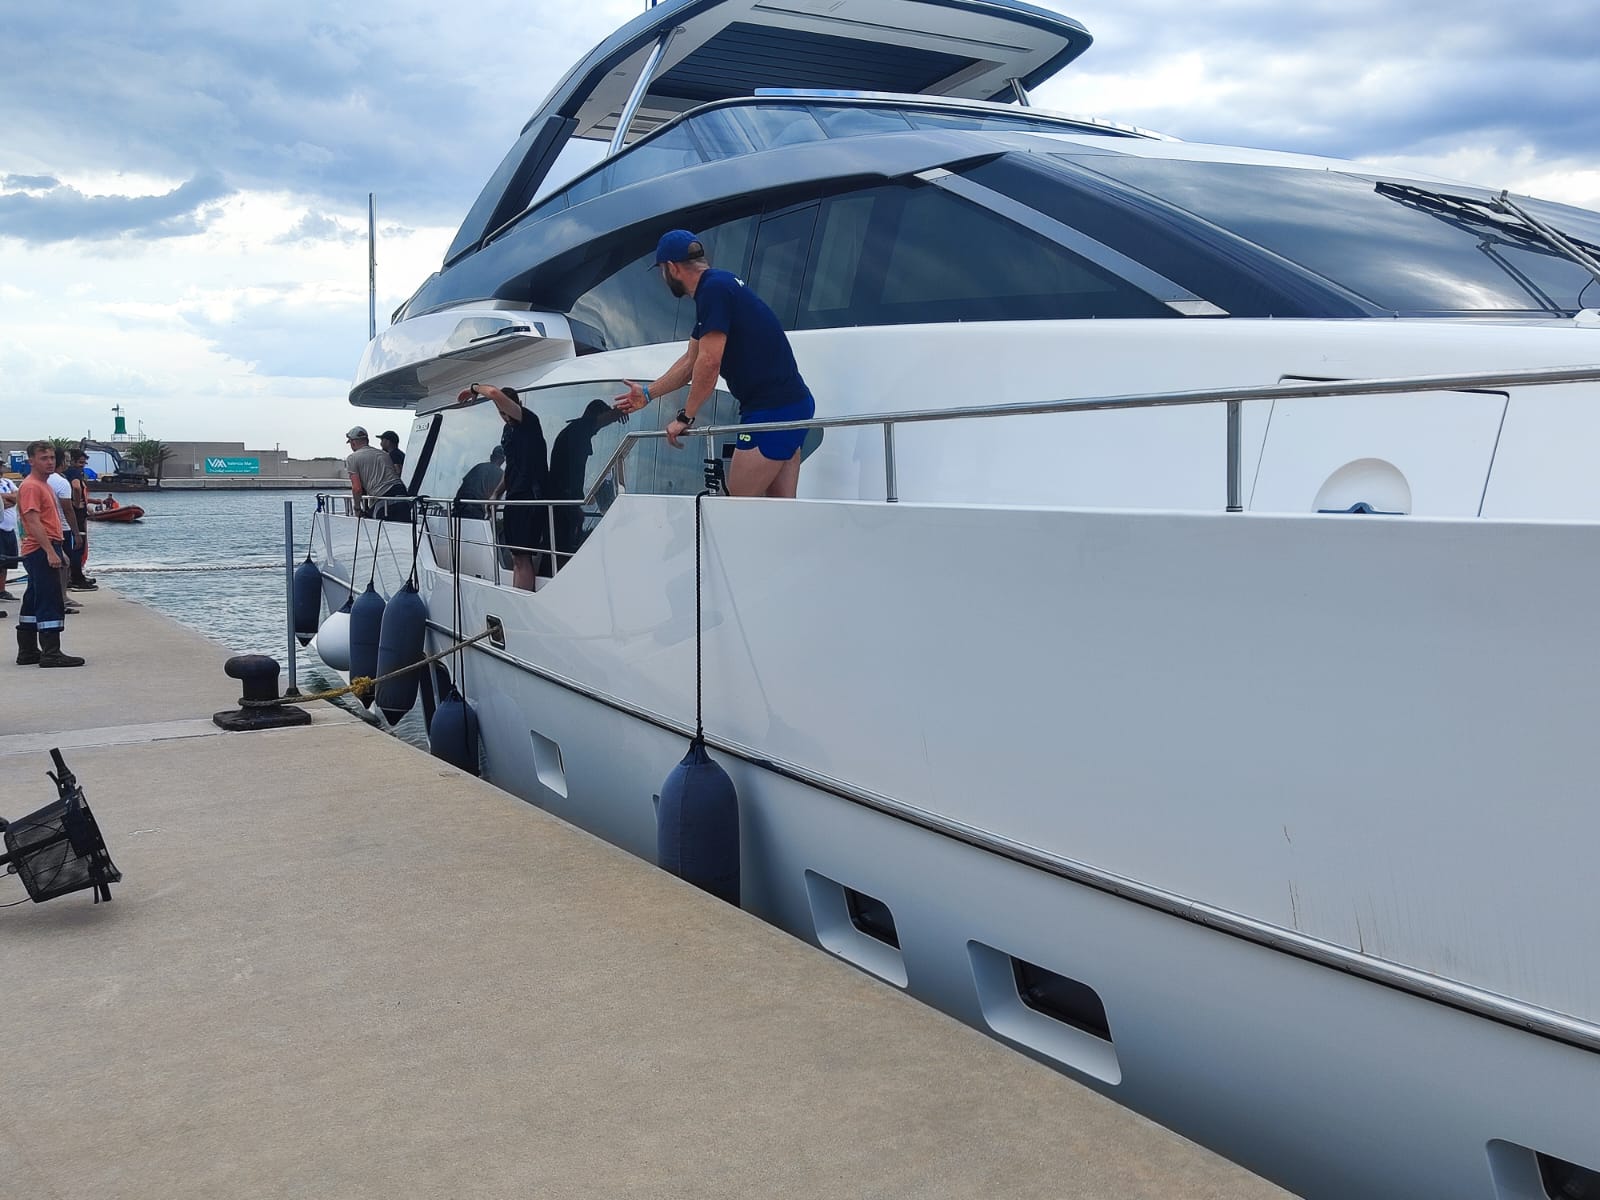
780 445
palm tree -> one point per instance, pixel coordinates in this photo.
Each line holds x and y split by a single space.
64 448
153 455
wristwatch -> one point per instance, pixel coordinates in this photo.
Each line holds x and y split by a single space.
684 418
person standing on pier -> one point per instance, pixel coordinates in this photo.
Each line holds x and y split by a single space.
79 582
62 487
10 559
43 614
736 336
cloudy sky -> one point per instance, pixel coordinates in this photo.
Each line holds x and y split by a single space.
183 184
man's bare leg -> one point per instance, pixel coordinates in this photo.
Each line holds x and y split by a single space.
787 481
522 571
753 473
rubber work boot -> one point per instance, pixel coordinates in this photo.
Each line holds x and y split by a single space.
27 646
50 651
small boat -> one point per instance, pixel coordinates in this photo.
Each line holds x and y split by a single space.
109 510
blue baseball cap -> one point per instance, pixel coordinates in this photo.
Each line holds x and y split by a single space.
674 246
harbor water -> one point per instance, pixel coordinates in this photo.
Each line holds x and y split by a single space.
213 560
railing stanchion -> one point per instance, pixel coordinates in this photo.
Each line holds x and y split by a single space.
288 592
1235 502
555 564
891 482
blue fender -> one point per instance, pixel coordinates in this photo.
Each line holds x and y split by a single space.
400 644
366 622
307 600
453 735
697 825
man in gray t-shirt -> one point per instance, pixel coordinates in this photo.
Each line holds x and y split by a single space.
371 473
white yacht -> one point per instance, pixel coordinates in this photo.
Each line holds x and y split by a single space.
1181 660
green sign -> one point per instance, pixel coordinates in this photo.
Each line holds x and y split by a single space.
233 466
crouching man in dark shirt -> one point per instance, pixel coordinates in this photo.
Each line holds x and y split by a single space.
739 338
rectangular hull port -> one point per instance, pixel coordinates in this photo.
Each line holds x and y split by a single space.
1050 1013
1524 1174
857 927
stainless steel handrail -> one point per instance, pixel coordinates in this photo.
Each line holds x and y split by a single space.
431 506
1232 396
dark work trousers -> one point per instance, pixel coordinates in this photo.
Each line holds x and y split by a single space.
69 559
80 539
43 605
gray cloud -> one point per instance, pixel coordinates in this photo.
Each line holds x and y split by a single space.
29 183
317 227
323 102
62 214
331 102
281 339
1357 77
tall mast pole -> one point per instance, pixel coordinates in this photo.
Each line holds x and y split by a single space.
372 266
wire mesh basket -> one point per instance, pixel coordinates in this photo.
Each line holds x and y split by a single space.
58 849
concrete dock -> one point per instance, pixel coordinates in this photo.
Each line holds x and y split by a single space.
339 968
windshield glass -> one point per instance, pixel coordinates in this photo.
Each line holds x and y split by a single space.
1353 232
730 130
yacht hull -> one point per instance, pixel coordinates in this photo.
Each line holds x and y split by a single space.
1293 795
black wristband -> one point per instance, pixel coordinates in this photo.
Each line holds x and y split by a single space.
684 418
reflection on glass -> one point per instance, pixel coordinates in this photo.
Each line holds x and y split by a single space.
467 464
482 479
1342 227
569 459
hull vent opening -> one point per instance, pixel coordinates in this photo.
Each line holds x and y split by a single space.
548 765
1567 1181
857 927
1521 1173
1061 999
1045 1010
872 917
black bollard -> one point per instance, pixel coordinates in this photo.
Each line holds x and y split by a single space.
259 674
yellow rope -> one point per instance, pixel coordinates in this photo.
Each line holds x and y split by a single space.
363 683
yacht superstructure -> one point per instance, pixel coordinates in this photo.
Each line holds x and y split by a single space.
1138 677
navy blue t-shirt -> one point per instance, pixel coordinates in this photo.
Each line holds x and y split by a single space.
757 362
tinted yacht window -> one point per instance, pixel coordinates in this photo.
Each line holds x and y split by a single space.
897 255
846 121
782 244
631 307
1397 255
669 151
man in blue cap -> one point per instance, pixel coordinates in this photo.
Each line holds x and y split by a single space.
736 336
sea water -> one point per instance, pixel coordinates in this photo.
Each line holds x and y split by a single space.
213 560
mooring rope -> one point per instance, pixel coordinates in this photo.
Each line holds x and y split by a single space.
363 683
